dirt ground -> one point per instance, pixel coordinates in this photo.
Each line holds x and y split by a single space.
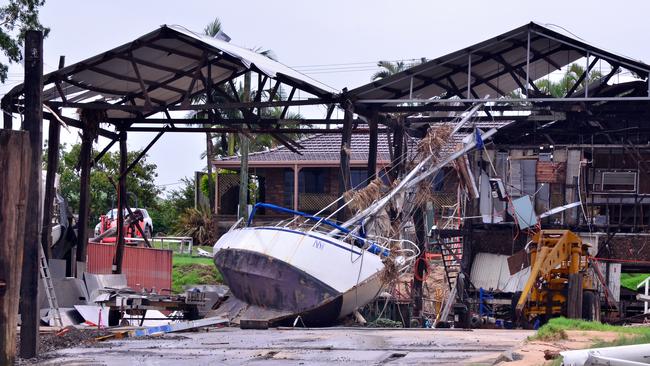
532 352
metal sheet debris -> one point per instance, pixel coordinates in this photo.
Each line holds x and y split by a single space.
92 314
69 291
177 327
96 282
622 355
524 212
152 318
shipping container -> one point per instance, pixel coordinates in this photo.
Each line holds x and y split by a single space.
145 268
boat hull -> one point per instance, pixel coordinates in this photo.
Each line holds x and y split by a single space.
311 275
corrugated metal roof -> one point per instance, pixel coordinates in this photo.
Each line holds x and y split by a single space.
496 67
168 60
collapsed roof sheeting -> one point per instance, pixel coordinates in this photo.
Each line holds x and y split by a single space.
497 67
165 67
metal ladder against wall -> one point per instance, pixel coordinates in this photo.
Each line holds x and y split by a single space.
54 313
451 249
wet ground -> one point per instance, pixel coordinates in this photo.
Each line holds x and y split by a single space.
363 346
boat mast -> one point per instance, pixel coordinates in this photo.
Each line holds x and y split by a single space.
417 172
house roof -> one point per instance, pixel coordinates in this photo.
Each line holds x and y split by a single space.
497 66
325 149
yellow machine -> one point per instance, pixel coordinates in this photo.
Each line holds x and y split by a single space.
559 283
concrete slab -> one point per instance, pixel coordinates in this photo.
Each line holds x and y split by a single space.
233 346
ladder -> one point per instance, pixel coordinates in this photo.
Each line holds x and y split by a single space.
451 249
54 313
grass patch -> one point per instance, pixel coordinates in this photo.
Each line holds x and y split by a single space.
183 259
625 340
556 329
188 270
632 280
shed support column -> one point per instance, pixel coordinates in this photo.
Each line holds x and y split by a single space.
53 138
399 150
243 150
296 191
7 115
418 275
121 204
216 190
85 162
346 139
52 166
243 176
33 123
372 149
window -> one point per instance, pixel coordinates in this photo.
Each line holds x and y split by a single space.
359 178
618 181
287 195
312 180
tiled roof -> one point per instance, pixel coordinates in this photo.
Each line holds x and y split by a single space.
321 147
327 148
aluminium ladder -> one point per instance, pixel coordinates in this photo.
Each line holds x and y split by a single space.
54 313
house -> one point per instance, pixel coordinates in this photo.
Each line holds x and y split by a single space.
307 180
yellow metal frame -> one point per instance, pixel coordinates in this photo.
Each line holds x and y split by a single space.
556 255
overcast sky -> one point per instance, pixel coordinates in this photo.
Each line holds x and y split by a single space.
346 36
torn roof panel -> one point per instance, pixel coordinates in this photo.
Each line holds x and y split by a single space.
497 66
167 61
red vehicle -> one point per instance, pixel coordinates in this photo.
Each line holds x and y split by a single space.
109 221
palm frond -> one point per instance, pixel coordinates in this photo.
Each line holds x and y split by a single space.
213 28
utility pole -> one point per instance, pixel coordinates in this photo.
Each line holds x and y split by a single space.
29 307
243 150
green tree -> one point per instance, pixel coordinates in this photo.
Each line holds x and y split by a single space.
16 18
560 88
103 196
168 209
389 68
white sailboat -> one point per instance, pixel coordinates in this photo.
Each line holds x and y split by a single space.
313 267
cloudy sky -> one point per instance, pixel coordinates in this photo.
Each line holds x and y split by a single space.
337 42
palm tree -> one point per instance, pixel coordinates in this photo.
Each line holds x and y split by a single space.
389 68
392 68
212 29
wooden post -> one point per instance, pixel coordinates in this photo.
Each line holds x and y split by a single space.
574 296
53 138
7 116
372 148
121 203
296 189
85 161
15 157
52 165
418 275
346 139
33 123
243 150
216 190
399 149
